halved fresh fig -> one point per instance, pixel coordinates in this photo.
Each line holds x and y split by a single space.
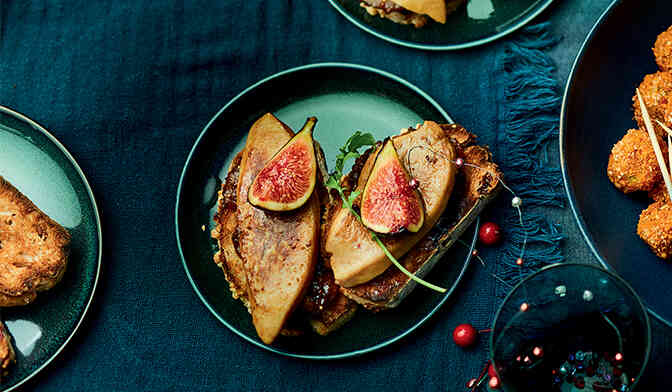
391 202
288 179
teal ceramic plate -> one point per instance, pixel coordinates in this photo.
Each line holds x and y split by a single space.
40 167
345 98
476 23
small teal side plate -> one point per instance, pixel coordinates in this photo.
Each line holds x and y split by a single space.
476 23
41 168
344 98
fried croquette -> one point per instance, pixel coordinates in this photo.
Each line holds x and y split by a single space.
662 49
659 193
7 355
655 228
656 90
632 164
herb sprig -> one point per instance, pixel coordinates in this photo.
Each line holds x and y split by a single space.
351 151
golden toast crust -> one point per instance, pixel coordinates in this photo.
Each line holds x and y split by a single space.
33 248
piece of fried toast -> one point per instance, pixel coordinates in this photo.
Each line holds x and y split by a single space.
34 248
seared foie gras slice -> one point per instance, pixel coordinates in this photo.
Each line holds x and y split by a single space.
226 223
325 306
427 154
474 189
279 249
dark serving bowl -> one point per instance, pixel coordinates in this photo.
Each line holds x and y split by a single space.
596 113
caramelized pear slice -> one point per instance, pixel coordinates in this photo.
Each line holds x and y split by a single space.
390 202
288 179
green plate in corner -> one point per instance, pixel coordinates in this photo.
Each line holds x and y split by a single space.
344 98
478 22
41 168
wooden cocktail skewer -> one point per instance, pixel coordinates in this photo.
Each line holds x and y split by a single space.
669 142
669 150
656 146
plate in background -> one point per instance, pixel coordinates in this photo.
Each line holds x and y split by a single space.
42 169
476 23
344 98
596 112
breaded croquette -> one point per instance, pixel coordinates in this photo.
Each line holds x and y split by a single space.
7 355
632 164
659 193
663 50
655 228
656 90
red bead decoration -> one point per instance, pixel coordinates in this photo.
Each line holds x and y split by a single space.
489 234
472 383
491 371
524 306
519 261
618 357
459 162
465 335
494 383
474 253
538 351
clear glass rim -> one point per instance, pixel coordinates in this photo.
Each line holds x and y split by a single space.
555 266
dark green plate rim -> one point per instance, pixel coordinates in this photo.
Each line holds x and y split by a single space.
415 45
92 199
562 146
353 353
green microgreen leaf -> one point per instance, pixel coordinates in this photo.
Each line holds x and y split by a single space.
332 183
353 195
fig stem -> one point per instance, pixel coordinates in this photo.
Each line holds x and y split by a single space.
382 246
309 125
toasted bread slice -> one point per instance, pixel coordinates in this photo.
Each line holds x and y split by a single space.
33 248
226 223
279 249
7 355
474 189
355 257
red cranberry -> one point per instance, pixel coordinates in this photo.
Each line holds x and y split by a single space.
489 234
465 335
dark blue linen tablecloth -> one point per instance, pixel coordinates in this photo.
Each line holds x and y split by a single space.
127 86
